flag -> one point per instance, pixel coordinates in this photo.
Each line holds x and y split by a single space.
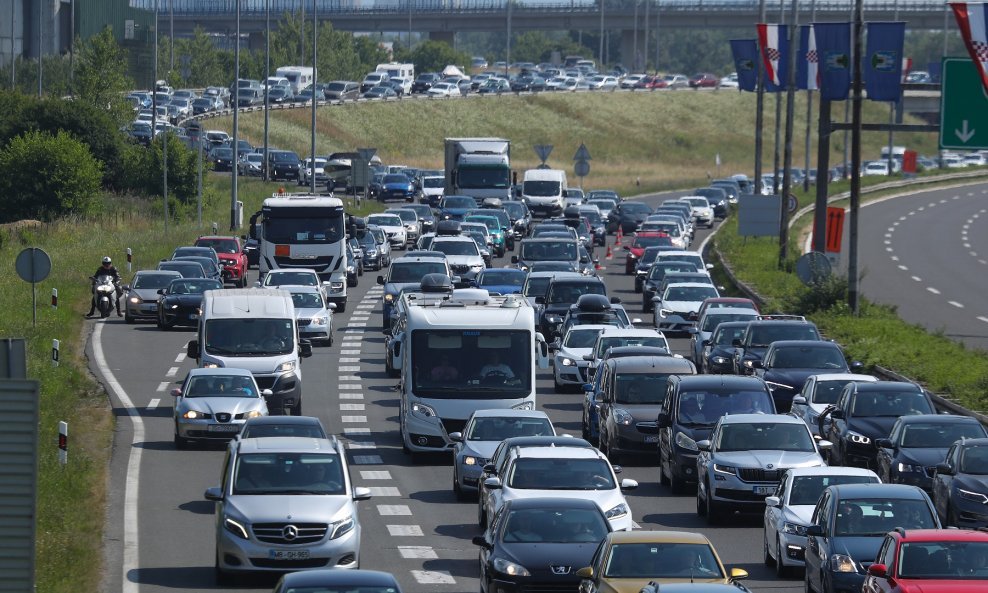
833 46
807 66
972 19
745 52
882 64
773 43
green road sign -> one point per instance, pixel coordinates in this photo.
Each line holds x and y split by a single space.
963 107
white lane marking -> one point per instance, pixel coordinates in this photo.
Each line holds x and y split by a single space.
349 378
433 577
933 290
352 407
359 318
973 253
931 204
349 360
420 552
894 257
888 235
349 386
984 262
362 430
967 246
921 208
361 445
357 324
889 249
394 510
172 372
376 475
912 213
153 403
955 198
967 225
970 193
903 268
891 230
349 369
635 525
384 491
354 419
405 530
887 242
131 533
350 352
985 319
917 279
163 385
353 330
180 357
943 201
349 395
956 304
367 460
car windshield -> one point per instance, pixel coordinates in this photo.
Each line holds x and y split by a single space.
698 202
659 270
603 203
890 403
765 436
725 336
473 364
284 157
289 429
711 321
193 286
307 300
535 473
304 230
552 266
536 287
384 220
974 460
635 208
876 517
459 202
581 338
656 560
514 209
501 278
827 392
806 490
763 335
605 343
286 278
809 357
541 188
569 526
689 293
938 436
249 337
288 473
651 241
153 281
945 560
548 250
496 428
220 386
569 292
456 247
705 407
403 179
640 388
414 271
592 215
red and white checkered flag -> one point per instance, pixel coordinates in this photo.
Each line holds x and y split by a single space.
768 42
972 19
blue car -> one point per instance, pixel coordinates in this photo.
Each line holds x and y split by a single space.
455 207
502 280
396 187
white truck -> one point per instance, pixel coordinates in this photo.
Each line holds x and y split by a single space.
458 351
479 168
299 77
544 190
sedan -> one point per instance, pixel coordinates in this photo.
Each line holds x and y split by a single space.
703 81
675 309
214 404
788 363
444 89
502 280
180 301
917 444
283 426
313 315
380 92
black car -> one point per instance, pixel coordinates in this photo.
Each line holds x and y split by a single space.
627 215
381 91
717 196
917 444
331 580
528 82
865 412
759 334
538 544
717 353
222 159
283 164
960 485
561 293
547 249
425 81
731 186
656 273
179 302
426 216
252 251
788 363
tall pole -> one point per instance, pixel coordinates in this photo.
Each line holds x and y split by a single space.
645 47
822 177
41 45
847 103
658 7
236 125
890 161
199 188
409 26
13 56
778 122
71 48
600 52
759 111
809 115
852 252
315 79
634 43
171 36
267 75
790 116
301 39
507 54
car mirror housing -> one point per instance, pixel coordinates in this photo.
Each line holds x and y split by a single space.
815 530
738 574
772 501
877 570
585 573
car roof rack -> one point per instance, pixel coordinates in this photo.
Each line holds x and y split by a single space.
780 317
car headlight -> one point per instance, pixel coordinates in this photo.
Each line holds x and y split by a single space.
725 469
719 360
212 365
685 442
135 299
525 405
665 313
342 527
173 307
235 527
336 286
510 568
622 417
285 367
253 414
423 411
476 267
567 362
858 438
192 414
972 496
842 563
909 468
793 528
772 385
554 319
470 460
748 363
372 252
319 320
617 512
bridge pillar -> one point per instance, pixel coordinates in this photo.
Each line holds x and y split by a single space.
630 55
255 41
447 37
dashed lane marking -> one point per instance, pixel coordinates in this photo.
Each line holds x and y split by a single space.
349 395
405 530
172 372
349 360
933 290
153 403
433 577
349 369
956 304
357 324
356 430
349 386
420 552
367 460
903 268
376 475
180 357
353 419
384 491
350 352
361 445
163 385
352 407
917 279
394 510
985 319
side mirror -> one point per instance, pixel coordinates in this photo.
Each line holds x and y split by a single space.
757 364
629 484
361 493
838 414
478 540
884 443
857 365
555 344
380 280
663 420
492 483
176 392
877 570
772 501
692 330
636 320
815 530
214 494
267 392
126 287
489 469
585 573
192 349
304 348
514 259
945 469
161 291
588 357
588 387
799 400
626 247
615 300
703 445
331 306
738 574
824 445
456 437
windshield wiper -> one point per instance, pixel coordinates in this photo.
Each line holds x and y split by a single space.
217 350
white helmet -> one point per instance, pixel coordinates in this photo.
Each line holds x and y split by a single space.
107 260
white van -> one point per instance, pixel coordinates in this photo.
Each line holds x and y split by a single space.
406 72
299 77
254 329
544 191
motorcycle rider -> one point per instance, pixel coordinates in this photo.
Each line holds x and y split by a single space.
107 269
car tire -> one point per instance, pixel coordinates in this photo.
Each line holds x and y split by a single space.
714 512
127 318
557 387
807 587
243 280
951 517
481 515
781 570
663 478
222 577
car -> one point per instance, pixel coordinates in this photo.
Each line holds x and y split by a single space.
463 255
396 187
392 225
313 316
703 80
140 297
733 472
494 86
788 511
626 214
703 212
494 229
443 89
760 333
535 544
637 246
379 92
214 403
615 337
410 218
866 412
291 277
627 561
708 321
601 82
283 164
820 392
232 256
376 247
455 207
787 364
595 309
947 561
561 293
569 366
424 81
282 426
474 447
848 526
180 301
875 168
342 90
327 580
656 272
717 198
675 308
690 410
425 215
632 392
668 228
210 269
918 444
960 485
263 477
537 282
405 272
307 172
502 280
717 355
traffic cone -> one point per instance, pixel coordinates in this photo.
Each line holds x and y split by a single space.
620 235
609 254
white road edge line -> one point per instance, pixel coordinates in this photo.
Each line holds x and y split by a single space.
131 555
153 403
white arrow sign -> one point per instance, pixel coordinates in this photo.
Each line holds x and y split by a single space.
964 134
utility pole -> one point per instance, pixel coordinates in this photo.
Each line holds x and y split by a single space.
634 43
759 110
71 48
790 116
507 55
658 7
809 112
852 252
13 56
315 80
600 53
645 48
267 75
41 45
236 125
890 161
171 36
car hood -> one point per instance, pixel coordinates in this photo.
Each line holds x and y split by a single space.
975 483
924 457
309 312
612 585
465 260
799 514
483 449
605 499
540 557
766 459
791 377
876 427
218 405
398 186
147 294
184 299
391 229
861 549
682 306
296 508
641 412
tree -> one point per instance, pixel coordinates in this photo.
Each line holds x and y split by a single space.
145 168
101 75
433 56
205 65
45 177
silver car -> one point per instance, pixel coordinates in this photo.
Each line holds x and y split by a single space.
313 315
285 503
214 403
745 458
569 367
141 295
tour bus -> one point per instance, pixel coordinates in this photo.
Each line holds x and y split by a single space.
304 231
459 351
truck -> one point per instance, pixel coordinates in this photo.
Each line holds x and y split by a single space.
478 167
299 77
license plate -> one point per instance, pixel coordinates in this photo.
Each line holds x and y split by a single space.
150 307
766 490
224 428
651 438
289 554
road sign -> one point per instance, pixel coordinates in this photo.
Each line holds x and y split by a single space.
758 216
582 154
813 268
366 154
543 150
581 168
835 228
792 204
33 264
963 107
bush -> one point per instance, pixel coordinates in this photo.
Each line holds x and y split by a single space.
45 177
145 166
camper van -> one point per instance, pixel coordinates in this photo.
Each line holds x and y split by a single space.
406 72
299 77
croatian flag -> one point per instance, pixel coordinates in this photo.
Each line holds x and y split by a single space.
773 44
972 18
808 67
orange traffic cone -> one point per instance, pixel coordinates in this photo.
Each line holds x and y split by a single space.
620 235
609 254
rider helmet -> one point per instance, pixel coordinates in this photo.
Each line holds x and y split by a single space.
107 260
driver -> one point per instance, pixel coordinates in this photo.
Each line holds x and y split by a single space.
270 339
106 269
494 366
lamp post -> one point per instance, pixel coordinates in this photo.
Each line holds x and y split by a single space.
267 75
315 80
236 124
600 52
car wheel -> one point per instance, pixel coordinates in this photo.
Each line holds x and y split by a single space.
951 518
807 587
243 280
557 387
638 287
481 515
663 478
127 318
781 570
223 578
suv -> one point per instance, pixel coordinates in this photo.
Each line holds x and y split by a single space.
283 164
960 490
261 478
463 255
788 363
560 294
616 337
947 561
231 255
762 332
404 272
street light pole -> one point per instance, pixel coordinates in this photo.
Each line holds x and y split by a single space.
41 45
790 116
267 75
236 124
171 36
856 100
315 80
600 53
759 111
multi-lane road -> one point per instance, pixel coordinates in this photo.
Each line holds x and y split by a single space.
160 532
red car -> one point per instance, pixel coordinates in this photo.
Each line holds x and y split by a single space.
704 80
930 560
232 257
638 245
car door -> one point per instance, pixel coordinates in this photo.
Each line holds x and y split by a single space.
886 455
886 555
817 551
942 483
667 413
489 470
802 410
773 515
837 432
604 410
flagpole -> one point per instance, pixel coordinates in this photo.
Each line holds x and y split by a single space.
895 17
847 103
852 252
759 110
790 116
809 110
778 119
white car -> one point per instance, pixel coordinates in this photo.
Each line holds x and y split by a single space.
631 80
313 315
729 82
601 82
560 83
788 511
875 168
462 253
563 472
702 211
569 364
677 237
432 188
306 171
293 277
819 392
975 159
444 89
676 309
393 227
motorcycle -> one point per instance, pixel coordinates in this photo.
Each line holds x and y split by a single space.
103 294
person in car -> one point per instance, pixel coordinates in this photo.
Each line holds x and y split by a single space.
495 367
444 371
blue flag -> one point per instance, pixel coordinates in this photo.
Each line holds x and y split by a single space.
807 60
882 64
745 52
833 46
